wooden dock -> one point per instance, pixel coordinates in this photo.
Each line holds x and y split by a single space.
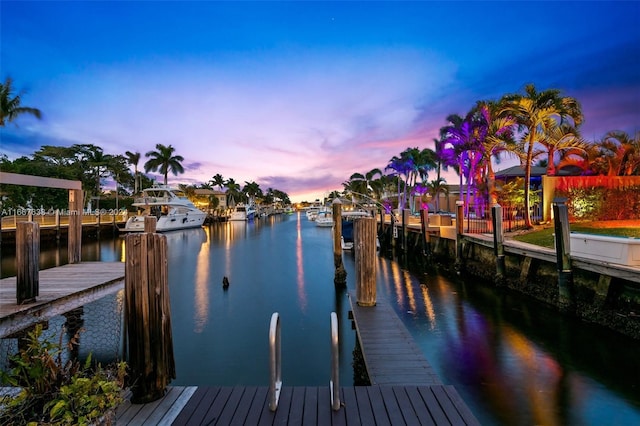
61 289
391 355
405 391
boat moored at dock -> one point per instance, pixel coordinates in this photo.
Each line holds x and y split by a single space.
243 212
170 206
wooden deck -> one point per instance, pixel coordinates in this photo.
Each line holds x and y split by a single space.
365 405
60 289
391 355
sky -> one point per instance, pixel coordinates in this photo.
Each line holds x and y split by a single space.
298 96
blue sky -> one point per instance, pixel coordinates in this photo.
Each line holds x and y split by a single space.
297 96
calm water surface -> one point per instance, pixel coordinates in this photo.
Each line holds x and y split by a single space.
513 361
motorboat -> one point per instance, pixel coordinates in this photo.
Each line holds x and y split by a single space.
348 218
324 219
170 206
243 212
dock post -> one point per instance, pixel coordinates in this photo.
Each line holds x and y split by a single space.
498 243
364 244
27 262
424 223
459 232
74 246
340 277
148 316
405 231
563 250
150 224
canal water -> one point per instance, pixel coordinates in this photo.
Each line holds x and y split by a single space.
513 361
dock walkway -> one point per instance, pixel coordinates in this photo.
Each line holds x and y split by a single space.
61 289
390 353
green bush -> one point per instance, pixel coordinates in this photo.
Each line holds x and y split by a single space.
54 392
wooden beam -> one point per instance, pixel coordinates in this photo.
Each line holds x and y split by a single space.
47 182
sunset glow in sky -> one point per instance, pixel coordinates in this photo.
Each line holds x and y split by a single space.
297 96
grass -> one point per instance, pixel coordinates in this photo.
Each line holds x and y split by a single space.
544 237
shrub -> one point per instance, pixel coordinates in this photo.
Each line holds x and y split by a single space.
53 392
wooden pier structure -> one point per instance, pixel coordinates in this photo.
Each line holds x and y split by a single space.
62 289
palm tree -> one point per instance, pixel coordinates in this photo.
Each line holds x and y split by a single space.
217 180
11 105
536 113
233 192
619 154
163 160
498 138
436 187
252 189
460 148
558 139
134 158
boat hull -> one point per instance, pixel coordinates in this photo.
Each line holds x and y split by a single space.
167 223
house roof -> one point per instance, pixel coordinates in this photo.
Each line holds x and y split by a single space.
204 191
518 171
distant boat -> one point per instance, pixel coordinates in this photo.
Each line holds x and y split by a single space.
243 212
324 219
170 206
288 210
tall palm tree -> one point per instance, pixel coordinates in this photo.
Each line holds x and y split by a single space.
498 138
233 192
11 104
252 189
536 113
134 158
460 148
163 160
217 180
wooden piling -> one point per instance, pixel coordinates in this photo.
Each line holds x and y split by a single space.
340 277
459 232
405 230
148 316
364 245
498 242
150 223
27 262
74 245
563 250
424 225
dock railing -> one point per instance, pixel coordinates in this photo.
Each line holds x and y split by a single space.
334 384
275 362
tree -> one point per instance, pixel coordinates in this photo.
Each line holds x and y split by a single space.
497 139
134 158
559 139
218 181
536 113
252 189
11 105
164 161
619 154
233 192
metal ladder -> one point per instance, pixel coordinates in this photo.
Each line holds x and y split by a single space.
275 363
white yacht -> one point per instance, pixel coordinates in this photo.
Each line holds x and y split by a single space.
170 206
324 219
243 212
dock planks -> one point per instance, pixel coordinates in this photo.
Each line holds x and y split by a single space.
61 289
391 355
365 405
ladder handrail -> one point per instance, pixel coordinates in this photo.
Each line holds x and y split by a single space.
334 384
275 362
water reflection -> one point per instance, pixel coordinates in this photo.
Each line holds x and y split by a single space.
513 361
302 296
494 346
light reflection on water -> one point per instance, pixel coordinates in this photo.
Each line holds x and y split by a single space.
513 361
